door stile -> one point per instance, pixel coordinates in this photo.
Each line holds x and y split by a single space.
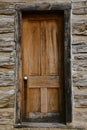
25 69
61 68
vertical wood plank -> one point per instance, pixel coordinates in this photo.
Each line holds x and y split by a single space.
44 100
34 47
31 47
25 67
49 46
31 62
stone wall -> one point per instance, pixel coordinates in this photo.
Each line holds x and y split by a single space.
7 63
79 58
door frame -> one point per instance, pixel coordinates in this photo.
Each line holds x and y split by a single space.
67 88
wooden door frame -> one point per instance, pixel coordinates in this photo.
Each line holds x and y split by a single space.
43 7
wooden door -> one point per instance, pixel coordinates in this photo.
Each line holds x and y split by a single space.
42 61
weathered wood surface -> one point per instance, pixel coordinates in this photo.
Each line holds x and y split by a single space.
44 81
42 62
44 103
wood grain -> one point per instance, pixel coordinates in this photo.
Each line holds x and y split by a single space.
49 53
34 47
44 100
44 81
53 100
31 46
33 100
25 47
42 63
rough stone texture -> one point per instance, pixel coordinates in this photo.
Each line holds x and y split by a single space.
79 64
79 26
7 63
9 127
6 24
79 8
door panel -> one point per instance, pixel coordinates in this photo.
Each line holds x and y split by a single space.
33 100
42 56
49 53
34 46
53 100
31 46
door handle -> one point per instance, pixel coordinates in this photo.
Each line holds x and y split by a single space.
25 81
25 78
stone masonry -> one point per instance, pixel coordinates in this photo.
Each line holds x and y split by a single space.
8 58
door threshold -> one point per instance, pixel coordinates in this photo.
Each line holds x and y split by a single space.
47 125
40 125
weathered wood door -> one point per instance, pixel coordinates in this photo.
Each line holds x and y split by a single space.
42 61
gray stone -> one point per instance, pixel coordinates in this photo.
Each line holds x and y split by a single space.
80 116
80 11
80 57
79 27
7 11
81 100
6 24
5 5
7 58
79 49
7 78
79 7
6 98
7 37
7 46
79 66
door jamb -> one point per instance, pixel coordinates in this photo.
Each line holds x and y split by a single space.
66 7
